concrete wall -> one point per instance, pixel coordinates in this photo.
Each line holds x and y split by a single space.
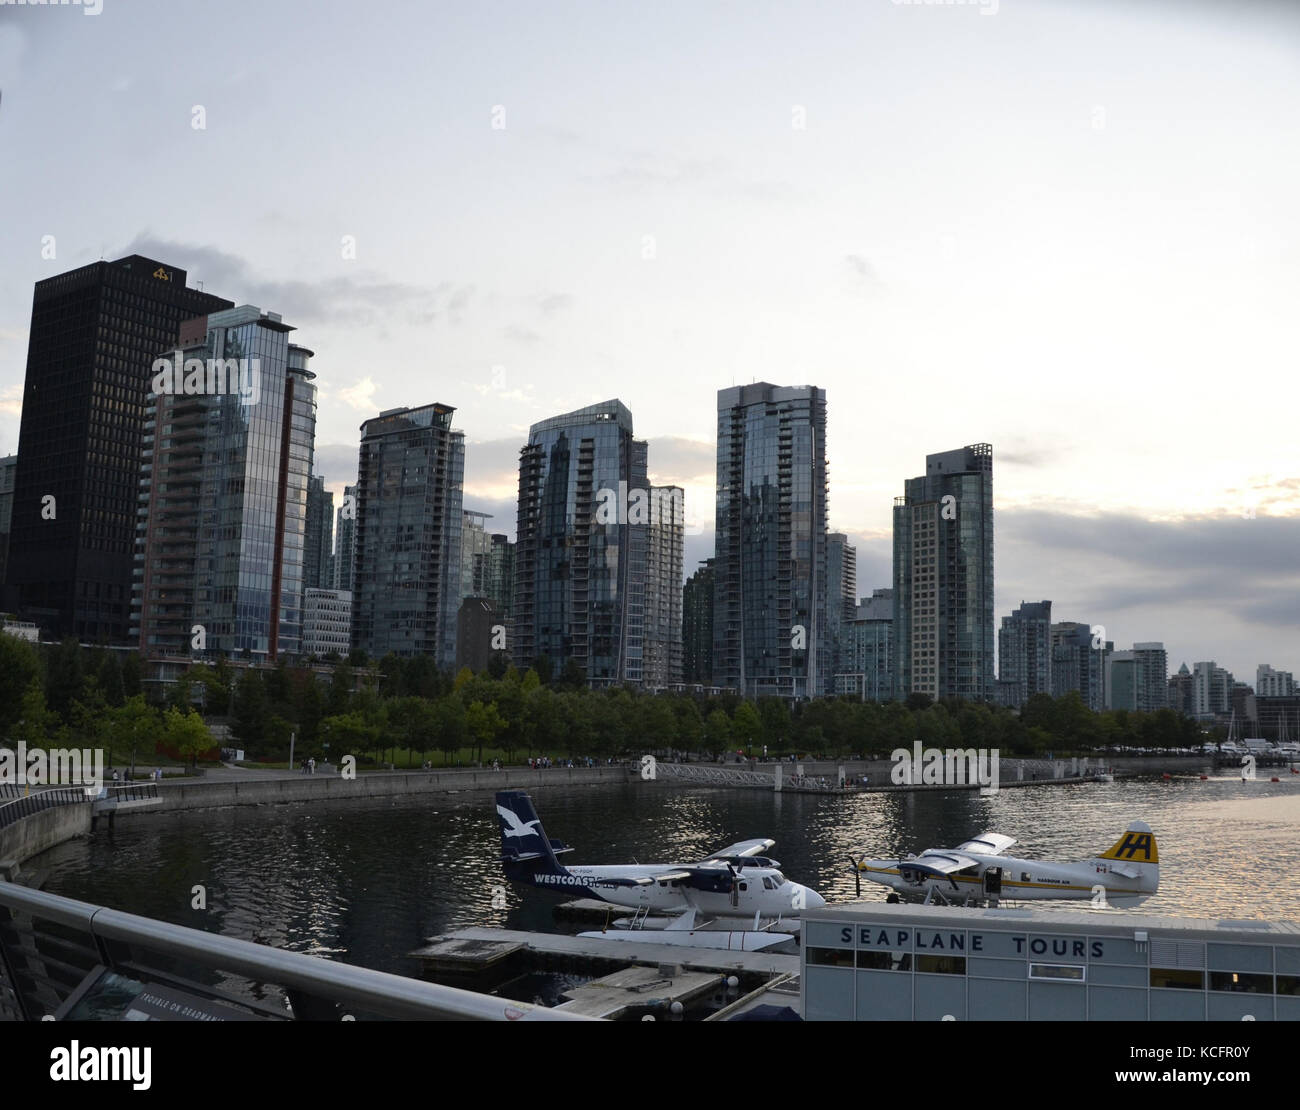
307 788
32 835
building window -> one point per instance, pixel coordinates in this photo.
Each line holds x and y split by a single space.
830 957
1071 972
884 961
1177 978
1241 982
942 965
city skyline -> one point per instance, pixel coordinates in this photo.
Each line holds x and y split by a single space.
1017 212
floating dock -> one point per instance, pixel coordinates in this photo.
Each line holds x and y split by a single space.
478 948
638 988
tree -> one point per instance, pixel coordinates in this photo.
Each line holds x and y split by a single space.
250 711
185 733
36 723
449 725
573 677
65 676
340 695
131 670
746 727
136 729
20 666
484 724
544 668
717 732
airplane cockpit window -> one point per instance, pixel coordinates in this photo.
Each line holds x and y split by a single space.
767 883
778 879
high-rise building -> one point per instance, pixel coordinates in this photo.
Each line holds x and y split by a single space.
580 550
475 549
95 333
1079 662
943 577
1211 690
1121 680
1025 652
697 626
1268 682
1152 676
663 588
867 650
345 541
316 550
841 591
326 622
499 580
8 469
770 630
410 479
222 511
1182 697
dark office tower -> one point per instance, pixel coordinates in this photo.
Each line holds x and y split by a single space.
1025 652
663 587
500 577
408 520
316 551
345 541
841 592
223 495
943 578
1080 661
770 633
579 558
95 333
697 626
8 468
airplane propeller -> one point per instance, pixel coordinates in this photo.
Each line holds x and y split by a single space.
857 875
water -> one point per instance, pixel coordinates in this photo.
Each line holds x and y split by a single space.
368 882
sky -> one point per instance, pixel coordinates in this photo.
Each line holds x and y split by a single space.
1066 229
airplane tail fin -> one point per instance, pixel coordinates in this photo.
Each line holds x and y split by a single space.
526 851
1134 855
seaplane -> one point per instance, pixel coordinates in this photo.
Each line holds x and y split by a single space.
977 873
735 882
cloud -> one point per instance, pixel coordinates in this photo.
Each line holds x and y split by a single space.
518 334
555 302
678 461
336 463
360 396
355 299
864 274
11 400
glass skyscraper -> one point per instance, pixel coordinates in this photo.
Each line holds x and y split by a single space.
408 527
94 335
320 523
1025 652
943 578
580 560
223 497
770 631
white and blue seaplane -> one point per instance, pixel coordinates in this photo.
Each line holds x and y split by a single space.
735 882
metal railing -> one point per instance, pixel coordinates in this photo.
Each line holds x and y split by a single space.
50 944
27 805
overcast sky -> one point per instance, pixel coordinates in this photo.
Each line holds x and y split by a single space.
1067 229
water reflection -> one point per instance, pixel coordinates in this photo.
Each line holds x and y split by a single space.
367 883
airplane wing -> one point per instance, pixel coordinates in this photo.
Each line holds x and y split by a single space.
937 863
987 844
743 848
649 880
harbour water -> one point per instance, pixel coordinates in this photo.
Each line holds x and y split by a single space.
366 883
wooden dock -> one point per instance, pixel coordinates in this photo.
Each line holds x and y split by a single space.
478 947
